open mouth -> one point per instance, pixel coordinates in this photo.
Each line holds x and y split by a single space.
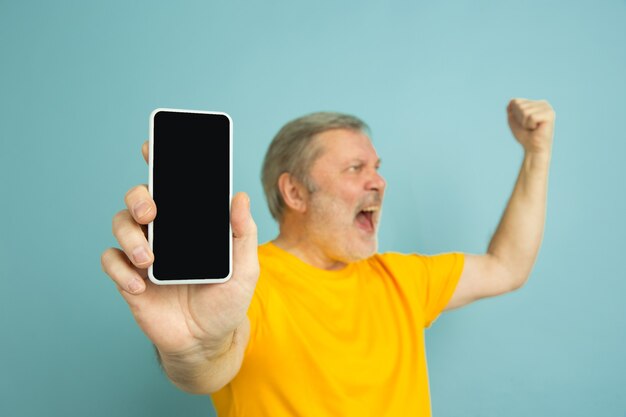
365 218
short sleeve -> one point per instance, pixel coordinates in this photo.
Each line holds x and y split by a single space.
442 276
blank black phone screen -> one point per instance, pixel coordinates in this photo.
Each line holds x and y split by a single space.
191 189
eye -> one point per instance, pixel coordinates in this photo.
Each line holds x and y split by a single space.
355 168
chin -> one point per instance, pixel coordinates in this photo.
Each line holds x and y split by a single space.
363 251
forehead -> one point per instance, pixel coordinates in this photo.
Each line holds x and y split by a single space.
342 145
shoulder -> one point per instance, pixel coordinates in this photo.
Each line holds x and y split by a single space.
402 268
418 260
394 261
418 266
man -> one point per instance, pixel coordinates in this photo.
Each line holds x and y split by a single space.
316 322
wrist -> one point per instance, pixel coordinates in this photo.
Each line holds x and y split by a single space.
201 352
537 160
197 369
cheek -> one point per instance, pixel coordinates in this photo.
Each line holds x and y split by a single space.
332 214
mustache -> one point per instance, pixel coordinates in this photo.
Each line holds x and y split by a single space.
374 199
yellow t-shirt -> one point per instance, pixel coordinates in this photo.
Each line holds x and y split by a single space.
340 343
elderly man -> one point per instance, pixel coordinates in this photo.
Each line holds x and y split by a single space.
316 322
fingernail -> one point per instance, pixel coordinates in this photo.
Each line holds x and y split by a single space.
141 209
140 255
134 285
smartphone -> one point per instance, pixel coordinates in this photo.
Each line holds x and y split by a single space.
190 161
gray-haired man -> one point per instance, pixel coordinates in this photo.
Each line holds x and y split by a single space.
317 322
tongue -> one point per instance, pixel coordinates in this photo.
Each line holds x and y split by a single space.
364 221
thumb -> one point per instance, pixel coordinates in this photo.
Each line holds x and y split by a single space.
245 239
145 148
241 219
515 126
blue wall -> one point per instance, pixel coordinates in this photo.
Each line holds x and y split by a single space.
77 84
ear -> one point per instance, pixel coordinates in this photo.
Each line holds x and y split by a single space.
293 191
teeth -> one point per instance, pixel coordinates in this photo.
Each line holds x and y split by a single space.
371 209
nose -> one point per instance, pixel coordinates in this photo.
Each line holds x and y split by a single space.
376 182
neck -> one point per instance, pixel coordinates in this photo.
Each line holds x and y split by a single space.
295 241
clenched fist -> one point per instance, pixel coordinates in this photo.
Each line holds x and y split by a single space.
532 124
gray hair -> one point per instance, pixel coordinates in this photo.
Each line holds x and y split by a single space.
293 150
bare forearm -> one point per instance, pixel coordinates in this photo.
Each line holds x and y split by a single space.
518 237
206 369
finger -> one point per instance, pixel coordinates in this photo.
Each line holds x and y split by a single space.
140 204
529 105
115 264
516 113
521 110
520 100
144 150
131 238
517 102
516 128
522 105
522 120
533 118
245 239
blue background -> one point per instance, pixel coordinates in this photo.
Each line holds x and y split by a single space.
79 80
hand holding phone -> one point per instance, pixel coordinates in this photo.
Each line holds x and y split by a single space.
183 318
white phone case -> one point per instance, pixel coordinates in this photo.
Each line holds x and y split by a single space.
230 191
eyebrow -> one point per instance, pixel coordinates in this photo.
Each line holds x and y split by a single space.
363 161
